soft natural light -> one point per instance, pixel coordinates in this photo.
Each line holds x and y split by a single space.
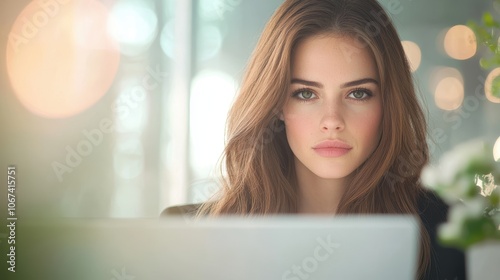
131 109
128 157
167 38
211 96
134 25
210 41
212 10
61 61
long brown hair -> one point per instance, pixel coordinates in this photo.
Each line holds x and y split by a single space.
260 176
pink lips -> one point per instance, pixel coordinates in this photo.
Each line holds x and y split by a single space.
332 148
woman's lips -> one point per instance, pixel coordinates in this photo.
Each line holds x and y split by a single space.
332 148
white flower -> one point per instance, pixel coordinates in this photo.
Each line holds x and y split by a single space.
430 176
464 178
457 160
475 206
459 213
449 231
449 176
486 183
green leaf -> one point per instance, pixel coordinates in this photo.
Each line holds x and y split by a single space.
495 87
487 63
492 45
472 25
473 232
484 63
481 165
494 199
489 21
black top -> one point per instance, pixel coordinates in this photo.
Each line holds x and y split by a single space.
446 263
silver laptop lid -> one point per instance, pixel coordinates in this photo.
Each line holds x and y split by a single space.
277 247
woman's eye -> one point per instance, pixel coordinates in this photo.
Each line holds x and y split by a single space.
304 94
360 94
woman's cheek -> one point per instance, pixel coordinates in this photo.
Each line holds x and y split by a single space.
370 123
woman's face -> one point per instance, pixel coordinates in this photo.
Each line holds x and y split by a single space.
333 109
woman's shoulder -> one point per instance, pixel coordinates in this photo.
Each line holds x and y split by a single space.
446 263
184 210
432 209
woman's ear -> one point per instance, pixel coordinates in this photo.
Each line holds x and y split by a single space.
281 117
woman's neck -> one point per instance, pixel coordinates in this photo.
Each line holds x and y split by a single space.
317 195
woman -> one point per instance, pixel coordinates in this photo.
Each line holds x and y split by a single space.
327 121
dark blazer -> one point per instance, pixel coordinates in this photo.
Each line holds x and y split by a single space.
446 263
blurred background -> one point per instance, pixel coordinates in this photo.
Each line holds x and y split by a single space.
117 108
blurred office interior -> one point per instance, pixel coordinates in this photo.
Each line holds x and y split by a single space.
117 108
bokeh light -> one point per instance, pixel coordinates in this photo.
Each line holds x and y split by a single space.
128 158
60 61
209 42
211 9
440 72
211 97
460 42
496 150
449 93
448 86
490 87
413 54
167 38
134 25
131 110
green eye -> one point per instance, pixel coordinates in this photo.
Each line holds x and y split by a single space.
360 94
304 94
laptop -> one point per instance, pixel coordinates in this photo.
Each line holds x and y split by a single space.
232 248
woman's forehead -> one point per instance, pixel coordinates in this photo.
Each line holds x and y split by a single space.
323 57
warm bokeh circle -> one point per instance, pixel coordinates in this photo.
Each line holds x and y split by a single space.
60 58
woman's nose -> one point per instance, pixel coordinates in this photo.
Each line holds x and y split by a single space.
332 118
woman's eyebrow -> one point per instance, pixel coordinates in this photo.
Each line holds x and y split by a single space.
360 82
306 83
348 84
